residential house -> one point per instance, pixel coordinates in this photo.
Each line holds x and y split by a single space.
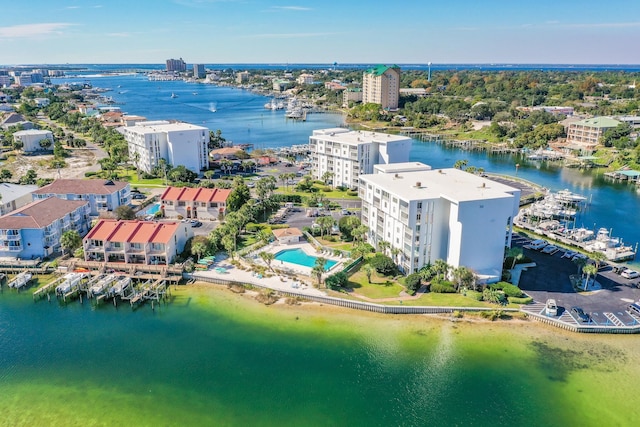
447 214
15 119
287 235
34 230
31 138
136 242
225 153
102 195
346 154
14 196
202 203
305 79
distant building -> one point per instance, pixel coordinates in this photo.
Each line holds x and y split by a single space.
335 86
31 139
351 95
41 102
5 81
381 85
14 196
15 119
280 85
586 134
177 143
176 65
242 77
305 79
34 230
348 154
287 235
199 71
136 242
203 203
102 195
446 214
227 153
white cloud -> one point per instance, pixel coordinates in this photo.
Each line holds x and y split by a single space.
289 35
123 34
297 8
33 30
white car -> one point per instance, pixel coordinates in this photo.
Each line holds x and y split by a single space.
551 308
630 274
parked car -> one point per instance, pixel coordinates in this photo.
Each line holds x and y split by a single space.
195 223
551 308
138 196
580 314
630 274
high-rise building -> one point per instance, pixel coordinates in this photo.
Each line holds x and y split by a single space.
198 71
448 214
176 65
346 154
177 143
381 85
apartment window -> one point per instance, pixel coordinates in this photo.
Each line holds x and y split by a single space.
181 203
418 216
419 205
203 204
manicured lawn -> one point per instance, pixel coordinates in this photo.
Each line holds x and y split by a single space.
132 178
443 300
380 286
334 194
344 246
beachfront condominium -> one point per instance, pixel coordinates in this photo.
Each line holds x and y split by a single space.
585 134
341 155
177 143
176 65
381 85
447 214
103 195
199 72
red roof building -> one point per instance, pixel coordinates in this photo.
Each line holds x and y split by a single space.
202 203
136 242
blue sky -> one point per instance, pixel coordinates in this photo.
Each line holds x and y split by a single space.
299 31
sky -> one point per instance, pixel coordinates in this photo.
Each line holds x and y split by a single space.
325 31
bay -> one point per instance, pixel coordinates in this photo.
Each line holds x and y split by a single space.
212 357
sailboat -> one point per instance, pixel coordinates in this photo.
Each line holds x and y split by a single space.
212 107
173 95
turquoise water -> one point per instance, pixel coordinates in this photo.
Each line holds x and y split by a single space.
300 257
153 209
213 357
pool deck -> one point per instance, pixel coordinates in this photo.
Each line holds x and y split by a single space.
305 246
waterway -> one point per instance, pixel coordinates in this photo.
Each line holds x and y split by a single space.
213 357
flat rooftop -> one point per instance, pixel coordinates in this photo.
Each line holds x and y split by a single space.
358 137
401 167
451 184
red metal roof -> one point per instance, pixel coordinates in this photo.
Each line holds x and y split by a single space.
112 230
186 194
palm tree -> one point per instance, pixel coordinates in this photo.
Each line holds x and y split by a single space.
70 240
367 271
326 177
198 249
226 165
516 253
589 270
267 257
263 236
598 258
579 262
318 269
441 267
463 277
229 243
383 245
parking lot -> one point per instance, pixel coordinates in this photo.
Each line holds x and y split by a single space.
550 279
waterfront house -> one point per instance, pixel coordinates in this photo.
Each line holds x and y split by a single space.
585 134
287 235
136 242
14 196
202 203
102 195
177 143
346 154
34 230
449 214
225 153
31 138
15 119
352 94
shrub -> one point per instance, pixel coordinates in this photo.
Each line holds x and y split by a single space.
522 300
331 239
383 264
492 315
326 189
336 280
352 193
89 174
474 295
442 287
342 188
413 282
508 289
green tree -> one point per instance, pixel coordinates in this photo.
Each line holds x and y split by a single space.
318 269
267 257
45 143
239 195
368 271
516 254
229 243
5 175
327 177
589 270
181 174
70 241
29 178
124 212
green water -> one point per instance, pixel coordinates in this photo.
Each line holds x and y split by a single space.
212 357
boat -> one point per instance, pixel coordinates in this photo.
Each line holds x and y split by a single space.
569 197
173 95
20 280
70 283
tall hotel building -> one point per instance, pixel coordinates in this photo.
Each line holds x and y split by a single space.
381 85
177 65
348 154
446 214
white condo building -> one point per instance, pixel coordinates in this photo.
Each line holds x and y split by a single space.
177 143
447 214
348 154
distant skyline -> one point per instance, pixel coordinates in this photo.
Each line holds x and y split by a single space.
357 31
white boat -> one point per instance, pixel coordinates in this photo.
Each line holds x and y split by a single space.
569 197
71 281
173 95
122 284
20 280
102 284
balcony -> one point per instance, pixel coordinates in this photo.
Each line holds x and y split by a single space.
114 248
13 248
12 237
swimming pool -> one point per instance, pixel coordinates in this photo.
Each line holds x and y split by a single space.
300 257
153 209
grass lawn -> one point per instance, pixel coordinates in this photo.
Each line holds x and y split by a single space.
334 194
380 286
444 300
132 178
343 246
